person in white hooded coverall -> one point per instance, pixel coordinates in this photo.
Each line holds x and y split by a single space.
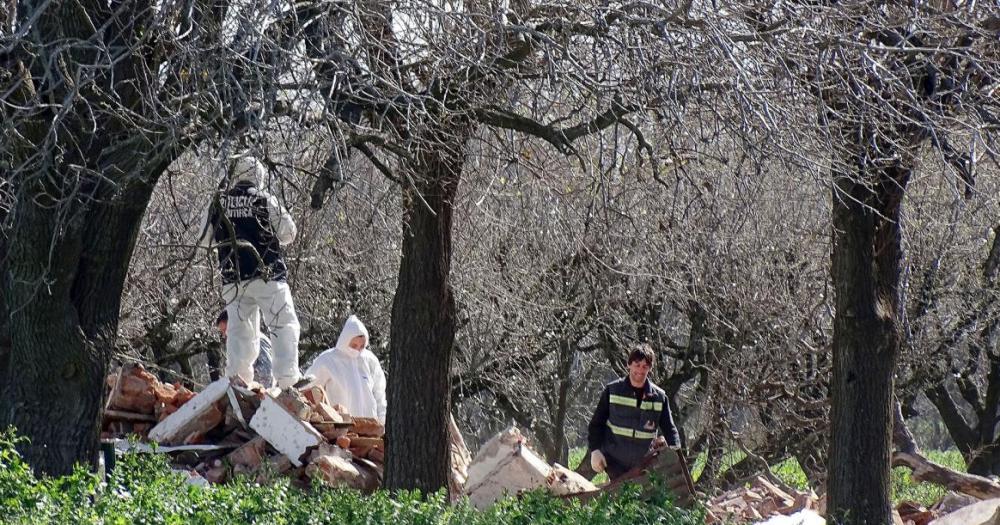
351 374
250 229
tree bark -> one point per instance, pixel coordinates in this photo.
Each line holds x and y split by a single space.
866 270
65 274
4 312
985 462
214 355
422 331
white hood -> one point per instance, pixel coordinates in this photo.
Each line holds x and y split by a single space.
353 327
351 378
248 168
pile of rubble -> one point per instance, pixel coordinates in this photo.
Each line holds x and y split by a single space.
766 503
137 400
762 500
952 509
506 466
229 429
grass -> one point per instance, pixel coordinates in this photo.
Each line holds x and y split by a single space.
905 489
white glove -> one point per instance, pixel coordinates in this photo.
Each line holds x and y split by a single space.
597 461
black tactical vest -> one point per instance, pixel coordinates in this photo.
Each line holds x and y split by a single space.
632 425
248 248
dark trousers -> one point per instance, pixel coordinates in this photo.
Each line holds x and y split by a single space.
615 469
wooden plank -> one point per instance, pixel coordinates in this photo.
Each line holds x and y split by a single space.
669 464
122 415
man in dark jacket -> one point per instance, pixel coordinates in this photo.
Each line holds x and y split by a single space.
629 414
250 229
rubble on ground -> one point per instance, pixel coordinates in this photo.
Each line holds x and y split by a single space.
137 401
762 500
460 460
505 466
802 517
230 429
985 512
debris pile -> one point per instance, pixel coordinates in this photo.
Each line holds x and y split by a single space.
765 503
231 429
505 466
137 400
762 500
953 509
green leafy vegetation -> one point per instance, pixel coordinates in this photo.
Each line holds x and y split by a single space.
143 490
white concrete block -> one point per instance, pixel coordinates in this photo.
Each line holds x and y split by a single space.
562 481
986 512
504 466
180 424
286 433
803 517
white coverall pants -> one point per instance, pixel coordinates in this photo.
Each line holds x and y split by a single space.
273 300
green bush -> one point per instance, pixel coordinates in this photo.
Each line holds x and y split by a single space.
143 490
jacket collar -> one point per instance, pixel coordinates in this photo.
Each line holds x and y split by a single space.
647 387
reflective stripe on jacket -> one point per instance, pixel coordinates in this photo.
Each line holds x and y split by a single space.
632 423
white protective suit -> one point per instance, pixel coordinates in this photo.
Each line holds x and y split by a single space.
247 301
352 378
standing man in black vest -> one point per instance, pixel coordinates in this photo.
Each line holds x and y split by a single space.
629 414
250 230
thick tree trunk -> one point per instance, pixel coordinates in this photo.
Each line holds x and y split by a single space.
4 313
986 461
65 274
422 332
866 270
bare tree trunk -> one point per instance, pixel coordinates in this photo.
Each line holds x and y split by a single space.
63 291
901 435
866 271
556 448
4 312
214 356
422 332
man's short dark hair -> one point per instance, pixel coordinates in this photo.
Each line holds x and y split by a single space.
224 318
642 352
